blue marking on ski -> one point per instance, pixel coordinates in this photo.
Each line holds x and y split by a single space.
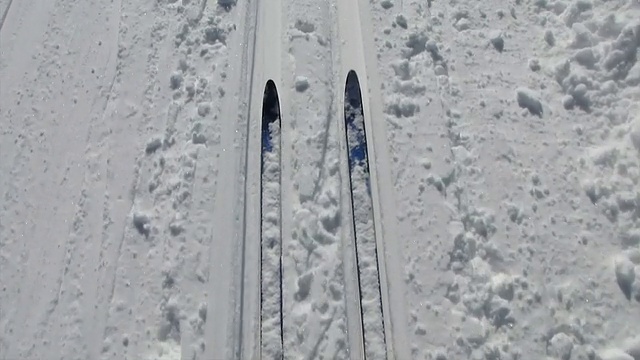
354 121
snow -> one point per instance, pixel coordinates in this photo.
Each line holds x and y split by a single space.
504 146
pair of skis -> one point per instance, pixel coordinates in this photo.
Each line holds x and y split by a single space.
271 294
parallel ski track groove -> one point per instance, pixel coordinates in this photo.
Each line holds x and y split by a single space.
355 23
280 263
253 6
353 221
280 223
4 15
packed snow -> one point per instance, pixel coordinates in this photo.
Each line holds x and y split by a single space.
504 144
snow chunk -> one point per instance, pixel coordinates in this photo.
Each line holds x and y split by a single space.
402 106
586 57
549 37
440 70
176 80
502 285
534 64
576 12
498 311
172 314
473 331
301 83
614 354
198 138
528 99
516 213
462 24
402 69
304 286
609 27
497 41
204 109
583 352
141 221
153 145
214 34
579 94
460 13
401 21
226 4
176 226
197 135
625 275
183 65
416 43
568 102
623 55
305 26
191 89
386 4
560 346
582 37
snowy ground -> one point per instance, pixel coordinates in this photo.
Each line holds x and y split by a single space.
505 145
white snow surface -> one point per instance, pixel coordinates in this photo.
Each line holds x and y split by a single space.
504 145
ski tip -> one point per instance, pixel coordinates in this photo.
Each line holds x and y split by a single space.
270 102
269 86
270 93
352 90
352 76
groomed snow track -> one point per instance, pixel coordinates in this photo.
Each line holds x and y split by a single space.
358 54
239 334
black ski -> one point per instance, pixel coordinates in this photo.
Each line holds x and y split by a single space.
271 334
363 221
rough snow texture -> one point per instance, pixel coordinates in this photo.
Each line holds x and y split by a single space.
315 319
108 177
517 174
122 130
271 338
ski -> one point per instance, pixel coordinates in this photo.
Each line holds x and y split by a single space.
363 221
271 334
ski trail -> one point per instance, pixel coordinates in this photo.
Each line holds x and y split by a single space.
57 305
5 13
264 66
358 53
19 74
26 30
318 284
147 185
228 332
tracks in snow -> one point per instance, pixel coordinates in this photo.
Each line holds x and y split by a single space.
359 54
174 231
318 276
